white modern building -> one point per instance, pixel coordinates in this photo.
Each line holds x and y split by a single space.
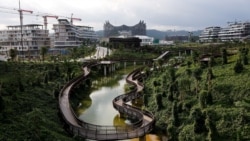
210 34
235 31
67 35
28 45
145 40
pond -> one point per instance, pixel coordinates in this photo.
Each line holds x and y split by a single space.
101 111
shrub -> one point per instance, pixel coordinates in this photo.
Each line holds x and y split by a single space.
238 67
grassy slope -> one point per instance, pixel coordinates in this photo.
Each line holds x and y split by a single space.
231 105
30 114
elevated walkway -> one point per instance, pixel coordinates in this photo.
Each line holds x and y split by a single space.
144 120
161 56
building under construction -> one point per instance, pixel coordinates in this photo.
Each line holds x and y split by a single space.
67 35
27 41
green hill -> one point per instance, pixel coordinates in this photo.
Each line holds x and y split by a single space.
196 102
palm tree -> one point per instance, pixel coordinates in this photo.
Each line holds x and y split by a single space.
13 54
73 53
43 52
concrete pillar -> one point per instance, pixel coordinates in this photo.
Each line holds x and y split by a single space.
179 54
134 63
105 70
110 68
125 64
113 67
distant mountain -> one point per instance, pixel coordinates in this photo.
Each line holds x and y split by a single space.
99 33
162 34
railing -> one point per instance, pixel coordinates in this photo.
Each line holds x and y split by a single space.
144 119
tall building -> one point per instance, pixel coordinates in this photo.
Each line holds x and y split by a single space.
235 31
210 34
34 37
111 31
67 35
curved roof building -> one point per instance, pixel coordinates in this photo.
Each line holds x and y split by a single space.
111 30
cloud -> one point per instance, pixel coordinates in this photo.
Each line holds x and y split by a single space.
159 14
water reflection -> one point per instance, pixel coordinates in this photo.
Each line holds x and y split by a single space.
101 111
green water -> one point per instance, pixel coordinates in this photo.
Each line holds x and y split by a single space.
101 111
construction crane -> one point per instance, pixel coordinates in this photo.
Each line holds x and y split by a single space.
21 22
45 20
71 19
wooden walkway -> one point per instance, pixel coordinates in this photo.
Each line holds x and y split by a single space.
145 120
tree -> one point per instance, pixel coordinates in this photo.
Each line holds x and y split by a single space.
74 53
199 121
184 87
156 84
173 89
238 67
212 130
195 56
172 74
43 52
197 75
224 56
46 78
158 99
243 55
1 100
13 54
245 60
35 122
175 114
160 62
209 98
188 72
145 100
172 132
211 62
202 99
210 76
20 84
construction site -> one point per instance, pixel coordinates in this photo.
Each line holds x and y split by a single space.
28 39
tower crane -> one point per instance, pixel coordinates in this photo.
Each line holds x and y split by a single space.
71 19
21 22
45 20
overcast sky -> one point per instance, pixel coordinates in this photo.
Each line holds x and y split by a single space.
157 14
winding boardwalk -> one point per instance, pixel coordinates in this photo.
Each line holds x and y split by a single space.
144 120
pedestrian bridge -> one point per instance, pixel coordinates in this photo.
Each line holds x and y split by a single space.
144 120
